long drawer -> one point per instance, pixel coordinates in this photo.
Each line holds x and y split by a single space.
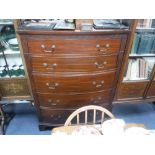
61 83
74 101
58 117
77 46
73 64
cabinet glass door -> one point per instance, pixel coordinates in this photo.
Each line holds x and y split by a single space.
10 59
142 56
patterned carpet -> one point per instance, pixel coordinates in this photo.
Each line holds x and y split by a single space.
25 121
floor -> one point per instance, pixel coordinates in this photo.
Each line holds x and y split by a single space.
25 121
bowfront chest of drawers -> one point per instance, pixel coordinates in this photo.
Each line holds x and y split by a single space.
68 70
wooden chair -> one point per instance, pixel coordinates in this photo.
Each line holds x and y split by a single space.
85 109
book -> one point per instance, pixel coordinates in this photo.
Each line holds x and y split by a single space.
150 62
153 46
128 72
145 44
142 68
135 43
134 70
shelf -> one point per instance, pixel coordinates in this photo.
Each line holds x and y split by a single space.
10 52
136 80
6 23
141 55
16 100
12 78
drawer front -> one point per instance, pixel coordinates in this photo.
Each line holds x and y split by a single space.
54 116
58 117
93 45
73 83
74 101
151 91
131 90
70 64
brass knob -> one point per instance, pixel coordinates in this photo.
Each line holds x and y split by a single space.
54 65
94 82
42 46
107 45
49 100
45 64
105 62
53 46
99 98
97 46
59 116
56 84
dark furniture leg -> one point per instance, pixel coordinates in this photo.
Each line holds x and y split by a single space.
42 127
4 120
46 127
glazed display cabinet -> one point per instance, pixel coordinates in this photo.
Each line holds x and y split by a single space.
137 79
13 83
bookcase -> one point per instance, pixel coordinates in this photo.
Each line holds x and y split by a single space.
136 82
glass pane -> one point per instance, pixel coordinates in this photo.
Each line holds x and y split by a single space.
10 63
142 56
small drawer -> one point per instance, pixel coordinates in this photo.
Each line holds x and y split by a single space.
76 45
73 64
58 83
74 101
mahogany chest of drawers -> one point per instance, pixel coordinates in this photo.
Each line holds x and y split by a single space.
68 70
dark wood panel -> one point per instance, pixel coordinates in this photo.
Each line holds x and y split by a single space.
151 91
54 116
59 83
94 45
58 117
14 87
72 64
74 101
130 90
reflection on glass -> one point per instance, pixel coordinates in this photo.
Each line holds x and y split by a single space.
142 57
10 59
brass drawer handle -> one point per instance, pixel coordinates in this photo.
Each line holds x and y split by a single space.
55 117
52 86
102 49
53 66
46 50
100 65
95 101
98 85
53 103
